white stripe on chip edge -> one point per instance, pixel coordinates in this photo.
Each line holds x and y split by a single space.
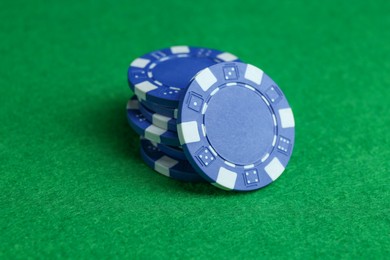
140 63
205 105
204 130
164 164
226 178
214 91
286 118
132 104
153 133
226 56
249 166
188 132
180 49
205 79
213 151
274 169
160 120
254 74
142 88
230 164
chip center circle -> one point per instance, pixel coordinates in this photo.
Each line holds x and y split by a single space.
178 71
239 125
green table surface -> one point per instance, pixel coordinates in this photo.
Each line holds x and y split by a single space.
73 184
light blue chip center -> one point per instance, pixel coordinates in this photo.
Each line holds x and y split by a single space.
239 125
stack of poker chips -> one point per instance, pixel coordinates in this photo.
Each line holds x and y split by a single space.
203 115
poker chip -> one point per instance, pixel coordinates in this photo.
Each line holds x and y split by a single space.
162 76
167 166
204 115
173 151
162 110
146 129
236 126
158 120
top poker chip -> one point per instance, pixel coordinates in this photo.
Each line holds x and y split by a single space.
162 76
236 126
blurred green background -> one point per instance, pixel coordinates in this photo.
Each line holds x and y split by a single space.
74 186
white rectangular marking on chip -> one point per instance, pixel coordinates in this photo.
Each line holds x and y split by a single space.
265 157
153 133
150 74
253 74
214 91
286 118
212 151
205 79
164 59
152 65
142 88
274 141
226 56
189 131
180 49
231 84
250 87
204 130
265 100
160 119
163 165
132 104
226 178
204 108
274 118
274 169
249 166
230 164
140 63
182 56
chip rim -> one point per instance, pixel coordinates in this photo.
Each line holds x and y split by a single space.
145 128
176 169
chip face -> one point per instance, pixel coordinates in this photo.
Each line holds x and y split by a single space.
166 165
145 128
236 126
162 76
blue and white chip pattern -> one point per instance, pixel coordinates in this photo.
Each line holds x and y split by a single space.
166 165
158 120
161 76
146 129
236 126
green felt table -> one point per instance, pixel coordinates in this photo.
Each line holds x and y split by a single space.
73 184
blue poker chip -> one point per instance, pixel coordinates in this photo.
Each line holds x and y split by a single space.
172 151
161 121
162 110
167 166
236 126
163 75
146 129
